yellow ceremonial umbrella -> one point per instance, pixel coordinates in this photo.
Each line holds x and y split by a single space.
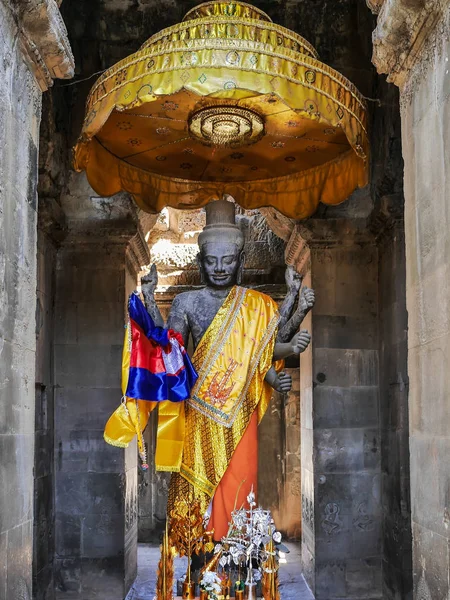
225 102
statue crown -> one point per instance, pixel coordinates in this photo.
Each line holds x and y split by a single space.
221 225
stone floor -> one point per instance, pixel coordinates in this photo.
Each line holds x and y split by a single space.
292 584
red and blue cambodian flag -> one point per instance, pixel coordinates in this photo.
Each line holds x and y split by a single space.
159 366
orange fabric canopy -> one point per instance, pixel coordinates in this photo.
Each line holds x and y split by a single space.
225 102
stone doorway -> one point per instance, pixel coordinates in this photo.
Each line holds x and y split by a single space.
79 529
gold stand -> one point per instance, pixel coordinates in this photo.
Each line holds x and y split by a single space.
188 590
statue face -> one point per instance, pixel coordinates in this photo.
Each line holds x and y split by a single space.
220 262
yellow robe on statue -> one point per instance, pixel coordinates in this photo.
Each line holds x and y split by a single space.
198 439
232 360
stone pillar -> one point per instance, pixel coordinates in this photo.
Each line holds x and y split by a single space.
394 429
340 454
95 484
412 46
20 113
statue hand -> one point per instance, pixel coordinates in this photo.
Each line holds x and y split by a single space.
307 300
150 281
293 279
300 341
283 383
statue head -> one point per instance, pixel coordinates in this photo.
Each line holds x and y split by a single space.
221 243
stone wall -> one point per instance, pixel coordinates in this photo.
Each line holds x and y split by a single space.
20 106
346 460
95 484
425 125
394 428
44 515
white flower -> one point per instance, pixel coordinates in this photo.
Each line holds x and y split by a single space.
210 578
223 561
277 537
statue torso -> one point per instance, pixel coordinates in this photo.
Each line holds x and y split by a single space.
193 312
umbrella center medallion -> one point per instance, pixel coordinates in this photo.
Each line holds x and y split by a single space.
226 126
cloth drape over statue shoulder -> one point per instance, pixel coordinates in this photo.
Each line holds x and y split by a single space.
155 368
232 360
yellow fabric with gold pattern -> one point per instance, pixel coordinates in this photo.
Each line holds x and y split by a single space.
232 360
199 112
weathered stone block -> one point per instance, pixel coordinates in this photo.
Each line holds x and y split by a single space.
430 497
333 534
42 544
86 451
431 558
101 322
103 492
17 389
43 498
345 332
68 578
396 584
348 491
330 579
68 534
103 577
82 408
80 282
44 584
16 469
43 460
429 383
363 578
3 564
345 368
102 535
19 557
346 449
86 365
345 407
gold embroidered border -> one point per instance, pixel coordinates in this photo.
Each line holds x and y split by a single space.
221 336
268 26
212 412
199 482
306 61
112 442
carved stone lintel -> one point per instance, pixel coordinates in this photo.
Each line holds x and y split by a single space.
138 254
330 233
402 29
45 41
297 251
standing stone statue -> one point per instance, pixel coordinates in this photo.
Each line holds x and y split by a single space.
239 336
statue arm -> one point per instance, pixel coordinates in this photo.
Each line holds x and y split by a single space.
281 382
178 319
293 283
297 345
148 286
287 329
